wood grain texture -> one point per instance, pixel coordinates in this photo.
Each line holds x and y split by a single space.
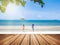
29 39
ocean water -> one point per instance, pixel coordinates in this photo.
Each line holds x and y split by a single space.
30 22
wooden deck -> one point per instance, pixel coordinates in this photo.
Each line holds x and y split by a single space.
28 39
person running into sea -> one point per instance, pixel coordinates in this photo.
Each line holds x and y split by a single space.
33 27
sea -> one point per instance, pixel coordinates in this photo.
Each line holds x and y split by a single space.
30 22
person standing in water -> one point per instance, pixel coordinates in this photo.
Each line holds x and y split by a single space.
23 26
33 27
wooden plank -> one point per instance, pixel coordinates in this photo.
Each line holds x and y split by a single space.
7 42
29 39
41 40
3 36
18 41
26 40
51 42
55 40
33 40
5 39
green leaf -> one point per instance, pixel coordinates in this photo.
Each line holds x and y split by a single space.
0 7
17 2
23 2
41 2
12 1
5 2
3 9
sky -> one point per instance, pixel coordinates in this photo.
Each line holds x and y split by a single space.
31 11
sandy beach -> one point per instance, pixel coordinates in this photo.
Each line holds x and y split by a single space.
19 29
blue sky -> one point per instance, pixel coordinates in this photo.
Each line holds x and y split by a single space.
50 11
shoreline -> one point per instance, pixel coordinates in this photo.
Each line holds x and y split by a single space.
28 30
27 27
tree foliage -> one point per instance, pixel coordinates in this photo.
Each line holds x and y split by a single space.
4 3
